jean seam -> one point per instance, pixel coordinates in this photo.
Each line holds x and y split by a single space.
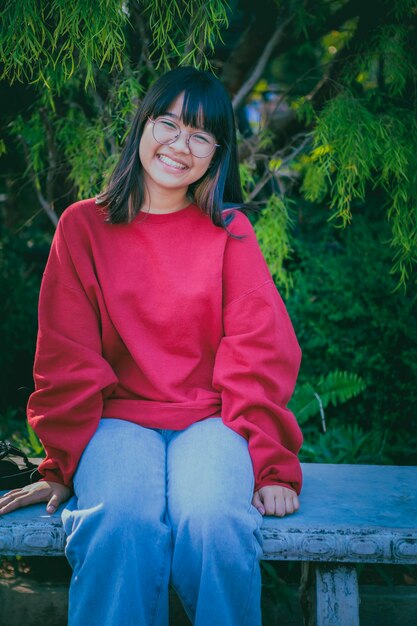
167 546
154 611
245 614
256 560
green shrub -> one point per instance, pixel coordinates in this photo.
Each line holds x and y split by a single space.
348 315
346 443
22 258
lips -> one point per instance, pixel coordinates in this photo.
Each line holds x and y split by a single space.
174 163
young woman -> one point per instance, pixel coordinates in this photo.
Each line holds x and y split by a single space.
164 364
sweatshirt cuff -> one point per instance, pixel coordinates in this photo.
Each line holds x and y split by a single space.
54 477
268 482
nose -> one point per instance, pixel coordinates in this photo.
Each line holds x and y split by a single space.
181 143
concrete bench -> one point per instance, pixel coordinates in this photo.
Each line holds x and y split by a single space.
350 514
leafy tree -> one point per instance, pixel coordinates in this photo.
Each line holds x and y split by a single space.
335 81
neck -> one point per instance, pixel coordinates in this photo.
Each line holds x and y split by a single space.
158 200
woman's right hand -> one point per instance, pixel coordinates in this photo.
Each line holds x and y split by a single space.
43 491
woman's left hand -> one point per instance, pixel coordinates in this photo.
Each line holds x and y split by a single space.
275 500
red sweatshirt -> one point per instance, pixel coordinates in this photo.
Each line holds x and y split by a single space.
163 322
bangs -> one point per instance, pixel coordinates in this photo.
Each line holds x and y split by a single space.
200 109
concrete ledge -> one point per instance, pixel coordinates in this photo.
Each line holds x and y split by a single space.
349 513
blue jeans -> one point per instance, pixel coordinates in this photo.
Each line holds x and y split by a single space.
158 506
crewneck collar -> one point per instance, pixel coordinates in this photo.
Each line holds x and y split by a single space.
144 217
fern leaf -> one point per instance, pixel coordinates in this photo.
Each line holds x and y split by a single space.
337 387
304 403
340 386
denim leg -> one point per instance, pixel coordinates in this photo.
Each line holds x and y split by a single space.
118 539
216 530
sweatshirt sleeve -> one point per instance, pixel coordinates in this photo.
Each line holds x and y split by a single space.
257 362
71 376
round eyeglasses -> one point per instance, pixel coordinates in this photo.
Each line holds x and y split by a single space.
200 144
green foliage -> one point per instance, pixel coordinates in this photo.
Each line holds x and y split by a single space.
9 422
335 40
403 8
348 317
272 231
345 443
347 140
335 388
354 148
22 258
304 13
30 444
247 178
391 42
304 110
174 37
315 184
348 443
402 447
47 42
110 46
51 42
31 133
48 133
275 589
88 165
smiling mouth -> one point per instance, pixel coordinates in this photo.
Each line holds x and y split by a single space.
165 159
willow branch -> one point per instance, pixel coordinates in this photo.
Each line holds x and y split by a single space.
46 206
52 157
268 175
260 66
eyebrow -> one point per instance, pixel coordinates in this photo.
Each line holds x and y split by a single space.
171 115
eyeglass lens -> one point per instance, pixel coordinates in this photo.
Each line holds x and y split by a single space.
200 144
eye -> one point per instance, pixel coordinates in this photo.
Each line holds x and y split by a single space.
167 124
201 138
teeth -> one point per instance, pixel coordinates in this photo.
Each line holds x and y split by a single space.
169 161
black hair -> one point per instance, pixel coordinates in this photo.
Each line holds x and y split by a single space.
206 105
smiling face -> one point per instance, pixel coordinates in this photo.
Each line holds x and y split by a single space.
170 168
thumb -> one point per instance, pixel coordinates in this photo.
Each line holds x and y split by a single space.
53 504
257 503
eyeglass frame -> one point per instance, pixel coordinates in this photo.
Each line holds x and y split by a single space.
168 143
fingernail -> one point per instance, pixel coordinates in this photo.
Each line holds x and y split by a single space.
50 508
261 510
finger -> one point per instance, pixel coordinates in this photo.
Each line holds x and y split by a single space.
296 502
256 500
292 503
257 503
289 503
269 503
18 502
7 498
10 493
280 506
53 504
